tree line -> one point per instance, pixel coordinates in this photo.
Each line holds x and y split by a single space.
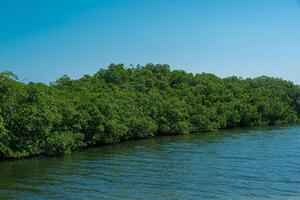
125 103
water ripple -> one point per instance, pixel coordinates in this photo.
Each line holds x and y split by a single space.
254 164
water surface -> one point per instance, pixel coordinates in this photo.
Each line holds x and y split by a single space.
240 164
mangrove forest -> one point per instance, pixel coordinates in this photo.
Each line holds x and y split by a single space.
122 103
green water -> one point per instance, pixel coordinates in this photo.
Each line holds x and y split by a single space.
244 164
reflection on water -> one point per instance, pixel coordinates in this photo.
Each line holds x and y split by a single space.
253 164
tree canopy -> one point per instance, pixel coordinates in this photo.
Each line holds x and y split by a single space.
121 103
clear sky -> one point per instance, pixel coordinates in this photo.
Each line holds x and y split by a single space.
42 40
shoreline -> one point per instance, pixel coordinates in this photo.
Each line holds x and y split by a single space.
262 127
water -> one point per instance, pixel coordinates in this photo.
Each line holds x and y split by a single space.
241 164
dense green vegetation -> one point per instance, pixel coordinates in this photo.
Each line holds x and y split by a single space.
120 103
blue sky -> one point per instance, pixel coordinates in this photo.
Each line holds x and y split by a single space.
42 40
